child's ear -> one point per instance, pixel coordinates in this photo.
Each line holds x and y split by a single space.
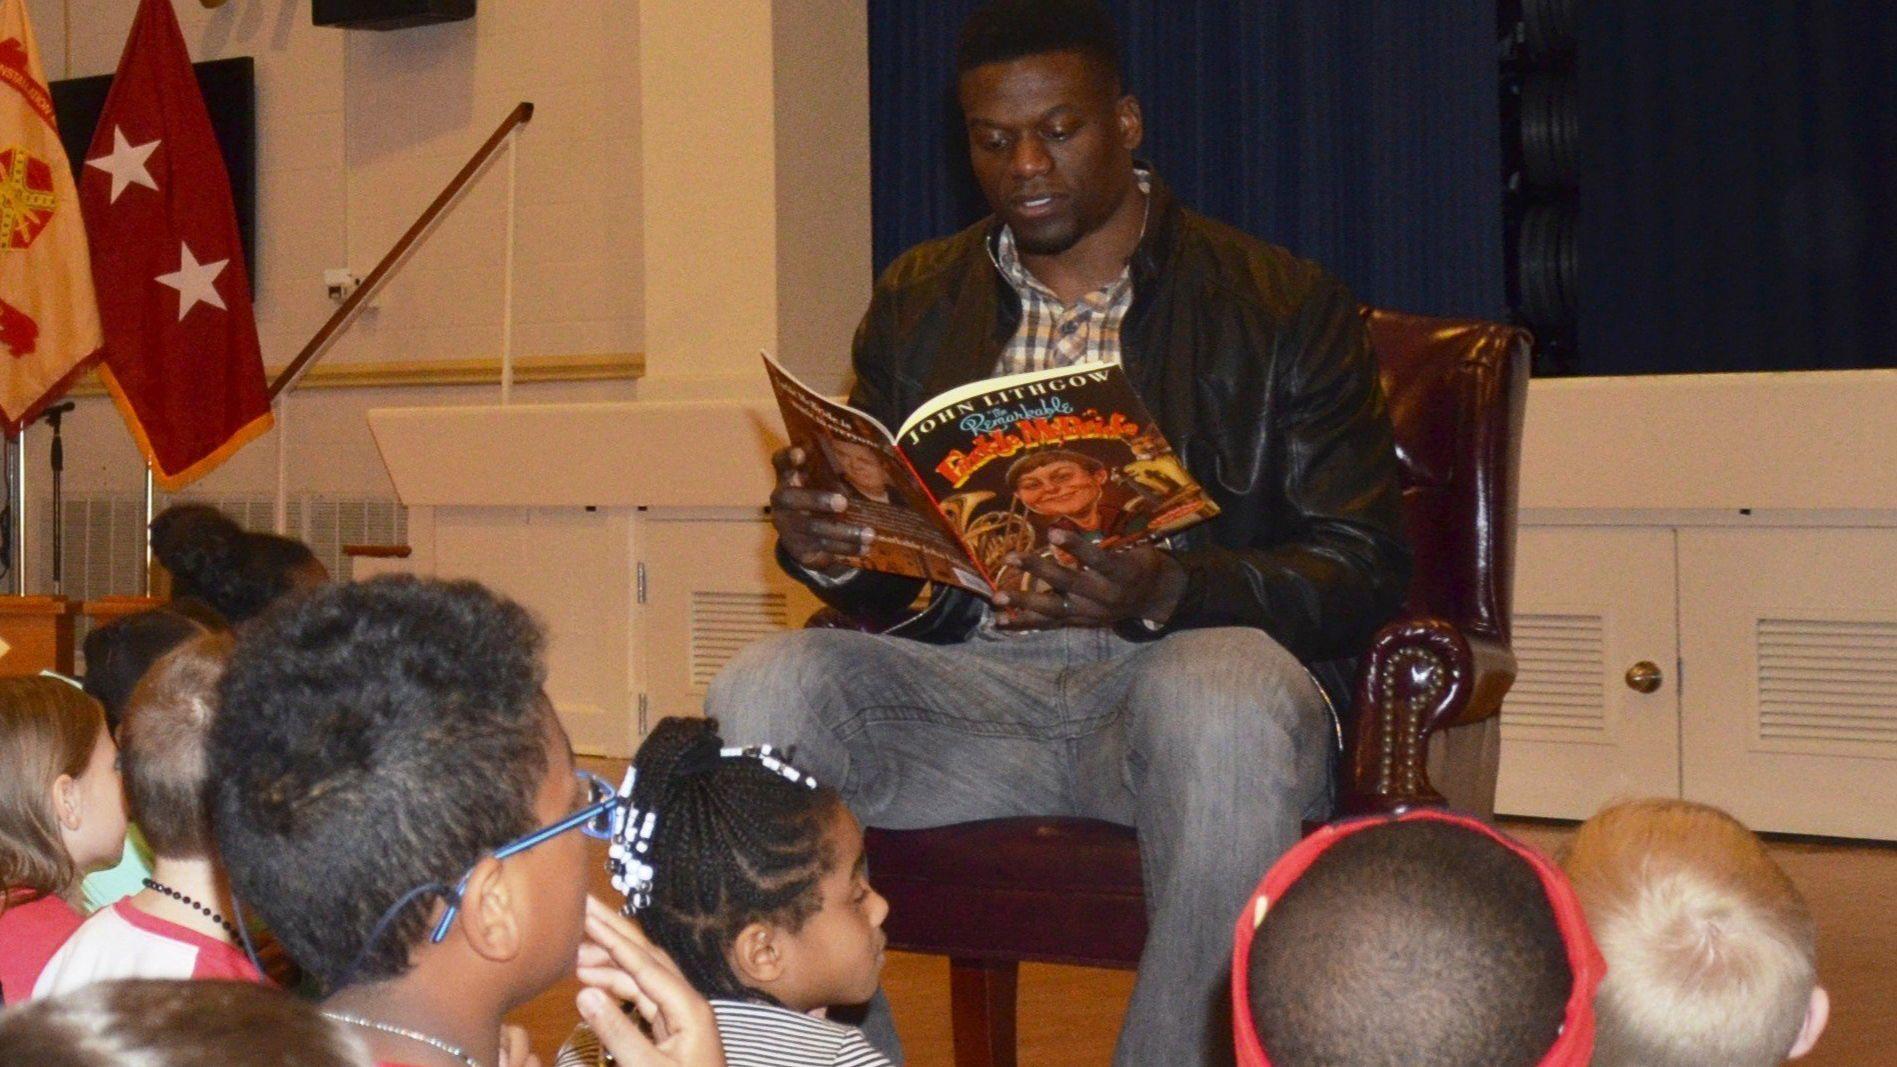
1816 1016
66 805
489 919
756 955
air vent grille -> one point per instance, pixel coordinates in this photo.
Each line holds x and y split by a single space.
1558 691
725 622
1828 683
104 535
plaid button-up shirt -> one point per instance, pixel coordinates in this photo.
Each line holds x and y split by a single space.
1053 334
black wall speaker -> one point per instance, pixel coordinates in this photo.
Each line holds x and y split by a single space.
389 14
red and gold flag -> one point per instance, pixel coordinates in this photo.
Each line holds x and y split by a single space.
181 352
49 321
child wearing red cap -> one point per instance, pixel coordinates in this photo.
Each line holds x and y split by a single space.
1425 938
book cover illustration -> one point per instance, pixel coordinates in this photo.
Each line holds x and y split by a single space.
848 452
1009 460
995 466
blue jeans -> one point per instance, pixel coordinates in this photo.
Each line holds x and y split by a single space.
1214 743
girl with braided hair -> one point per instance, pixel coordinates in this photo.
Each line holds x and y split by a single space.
753 878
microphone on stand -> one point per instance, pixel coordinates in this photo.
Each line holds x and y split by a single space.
52 416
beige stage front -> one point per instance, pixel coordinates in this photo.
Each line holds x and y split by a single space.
1735 532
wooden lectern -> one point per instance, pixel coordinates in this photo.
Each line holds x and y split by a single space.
107 609
38 632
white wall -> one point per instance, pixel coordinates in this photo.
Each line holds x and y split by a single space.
823 219
624 217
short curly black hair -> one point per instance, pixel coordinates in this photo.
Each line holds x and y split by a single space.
1411 942
372 738
1006 30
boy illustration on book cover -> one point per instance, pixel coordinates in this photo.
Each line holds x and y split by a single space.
1110 490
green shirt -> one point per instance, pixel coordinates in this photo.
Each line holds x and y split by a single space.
109 887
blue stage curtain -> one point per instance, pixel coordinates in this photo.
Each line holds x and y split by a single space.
1363 134
1738 186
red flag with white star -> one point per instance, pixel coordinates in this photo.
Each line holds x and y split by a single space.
49 323
181 352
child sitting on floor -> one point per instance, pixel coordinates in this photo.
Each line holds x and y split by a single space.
753 878
1426 940
118 655
61 816
156 1023
236 573
393 793
1711 952
180 925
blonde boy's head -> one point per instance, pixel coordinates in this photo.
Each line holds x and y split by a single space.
162 746
1710 950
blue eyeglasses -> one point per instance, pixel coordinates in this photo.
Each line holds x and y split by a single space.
595 820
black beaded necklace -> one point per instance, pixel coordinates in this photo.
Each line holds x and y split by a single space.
157 886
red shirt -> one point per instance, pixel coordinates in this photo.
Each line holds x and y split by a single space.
31 929
124 942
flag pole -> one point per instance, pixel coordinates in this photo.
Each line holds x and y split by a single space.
507 277
19 511
280 517
151 500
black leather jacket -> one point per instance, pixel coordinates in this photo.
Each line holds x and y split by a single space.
1256 366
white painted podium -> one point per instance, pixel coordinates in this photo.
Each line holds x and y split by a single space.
635 531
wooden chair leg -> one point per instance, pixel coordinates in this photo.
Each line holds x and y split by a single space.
982 999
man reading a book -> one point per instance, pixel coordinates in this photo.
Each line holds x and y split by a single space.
1178 687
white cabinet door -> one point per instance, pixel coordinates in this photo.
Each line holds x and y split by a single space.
1790 705
1590 601
711 587
572 568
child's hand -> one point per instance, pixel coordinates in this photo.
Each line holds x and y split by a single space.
514 1048
618 964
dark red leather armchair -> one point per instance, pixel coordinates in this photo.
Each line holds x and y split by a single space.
992 894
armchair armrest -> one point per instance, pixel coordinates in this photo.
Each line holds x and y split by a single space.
1422 674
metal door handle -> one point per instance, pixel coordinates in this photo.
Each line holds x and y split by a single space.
1644 677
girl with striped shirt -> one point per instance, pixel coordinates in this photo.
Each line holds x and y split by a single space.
753 878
